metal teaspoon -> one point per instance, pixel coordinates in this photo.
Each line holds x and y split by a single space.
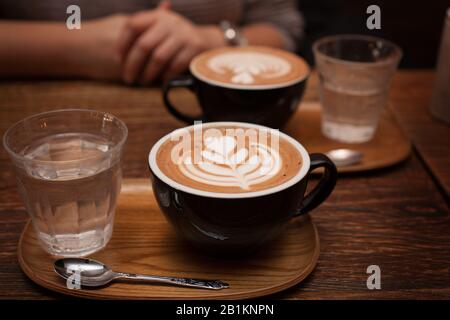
345 157
95 274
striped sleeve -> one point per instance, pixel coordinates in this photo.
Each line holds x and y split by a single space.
283 14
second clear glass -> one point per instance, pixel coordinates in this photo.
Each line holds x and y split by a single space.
355 73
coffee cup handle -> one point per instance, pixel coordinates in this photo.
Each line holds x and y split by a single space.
325 185
185 81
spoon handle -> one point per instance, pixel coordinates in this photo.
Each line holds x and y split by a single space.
184 282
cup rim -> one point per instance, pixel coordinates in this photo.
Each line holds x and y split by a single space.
396 56
19 157
254 87
223 195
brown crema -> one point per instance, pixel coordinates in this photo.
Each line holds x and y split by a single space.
229 159
250 66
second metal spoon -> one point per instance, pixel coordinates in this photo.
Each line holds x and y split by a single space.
345 157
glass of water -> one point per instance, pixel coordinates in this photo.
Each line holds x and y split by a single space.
355 73
68 172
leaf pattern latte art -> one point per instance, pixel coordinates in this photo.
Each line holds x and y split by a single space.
246 66
224 164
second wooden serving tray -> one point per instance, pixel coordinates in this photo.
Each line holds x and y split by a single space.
389 146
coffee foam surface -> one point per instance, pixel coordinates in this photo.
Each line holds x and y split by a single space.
249 67
224 162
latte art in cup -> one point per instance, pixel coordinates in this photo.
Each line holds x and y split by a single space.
227 158
249 67
246 67
225 164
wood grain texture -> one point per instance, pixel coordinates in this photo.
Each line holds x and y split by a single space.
431 136
395 217
143 242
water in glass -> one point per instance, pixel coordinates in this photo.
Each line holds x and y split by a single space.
72 202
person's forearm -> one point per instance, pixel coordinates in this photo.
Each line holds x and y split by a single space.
41 49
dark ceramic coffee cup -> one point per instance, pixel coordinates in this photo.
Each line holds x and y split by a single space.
235 224
268 105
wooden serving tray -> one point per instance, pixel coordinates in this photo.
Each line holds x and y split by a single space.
388 147
143 242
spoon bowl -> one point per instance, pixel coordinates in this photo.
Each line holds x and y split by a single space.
92 273
345 157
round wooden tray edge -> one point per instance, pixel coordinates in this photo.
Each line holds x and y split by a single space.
233 296
28 272
388 118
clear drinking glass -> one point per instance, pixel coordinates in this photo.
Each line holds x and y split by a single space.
355 73
68 172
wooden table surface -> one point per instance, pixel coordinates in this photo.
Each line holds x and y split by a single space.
397 218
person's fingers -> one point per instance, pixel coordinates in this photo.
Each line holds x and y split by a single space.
133 64
179 64
132 30
126 38
142 20
138 54
158 60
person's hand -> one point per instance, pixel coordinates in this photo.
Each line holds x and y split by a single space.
99 58
161 43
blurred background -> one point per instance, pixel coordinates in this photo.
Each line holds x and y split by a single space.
416 26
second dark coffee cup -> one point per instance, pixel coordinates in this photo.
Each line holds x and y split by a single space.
248 84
